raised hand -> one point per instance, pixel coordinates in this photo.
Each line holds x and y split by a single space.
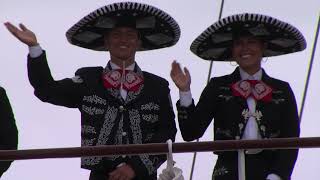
180 78
24 35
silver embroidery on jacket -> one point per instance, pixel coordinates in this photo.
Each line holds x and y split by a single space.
87 142
109 120
77 79
220 172
152 118
133 94
224 132
225 97
278 101
118 139
150 106
95 99
137 139
88 130
92 110
247 114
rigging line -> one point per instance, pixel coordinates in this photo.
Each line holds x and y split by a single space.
309 70
208 79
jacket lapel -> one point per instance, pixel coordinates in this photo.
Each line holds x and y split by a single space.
235 77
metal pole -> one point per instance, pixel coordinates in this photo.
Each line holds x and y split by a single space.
309 70
208 79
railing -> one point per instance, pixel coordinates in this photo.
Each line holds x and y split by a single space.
161 148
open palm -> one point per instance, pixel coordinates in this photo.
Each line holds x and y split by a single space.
180 78
24 35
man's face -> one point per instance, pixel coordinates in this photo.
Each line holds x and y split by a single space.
248 52
122 43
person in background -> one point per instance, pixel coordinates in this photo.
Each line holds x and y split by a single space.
9 131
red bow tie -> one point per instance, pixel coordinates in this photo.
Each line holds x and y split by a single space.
131 81
257 89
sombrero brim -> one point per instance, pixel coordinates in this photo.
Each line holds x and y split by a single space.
156 28
216 41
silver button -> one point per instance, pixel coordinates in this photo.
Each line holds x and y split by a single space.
124 156
124 133
121 108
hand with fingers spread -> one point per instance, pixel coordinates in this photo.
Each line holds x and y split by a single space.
124 172
23 34
182 79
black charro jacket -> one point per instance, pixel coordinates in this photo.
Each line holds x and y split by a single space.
146 116
8 129
278 119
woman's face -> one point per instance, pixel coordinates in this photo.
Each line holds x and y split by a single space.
247 52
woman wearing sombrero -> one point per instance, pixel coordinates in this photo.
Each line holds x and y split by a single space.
246 104
119 103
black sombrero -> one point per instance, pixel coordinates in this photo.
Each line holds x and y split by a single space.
215 42
157 29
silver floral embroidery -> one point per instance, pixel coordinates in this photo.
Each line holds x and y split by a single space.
240 126
224 132
133 94
182 112
90 161
92 110
225 97
247 114
95 99
182 117
277 92
150 106
152 118
77 79
220 171
105 131
108 124
135 126
87 142
278 101
224 88
118 139
149 137
88 130
137 138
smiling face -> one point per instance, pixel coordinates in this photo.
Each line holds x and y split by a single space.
122 43
247 52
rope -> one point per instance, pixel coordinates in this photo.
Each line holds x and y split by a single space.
309 70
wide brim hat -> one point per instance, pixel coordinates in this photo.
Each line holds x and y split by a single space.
216 41
156 28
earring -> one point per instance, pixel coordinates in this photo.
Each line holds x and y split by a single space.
233 63
265 59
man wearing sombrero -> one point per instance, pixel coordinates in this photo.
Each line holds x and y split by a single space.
119 104
246 104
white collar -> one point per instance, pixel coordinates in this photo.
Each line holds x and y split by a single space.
244 75
114 66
